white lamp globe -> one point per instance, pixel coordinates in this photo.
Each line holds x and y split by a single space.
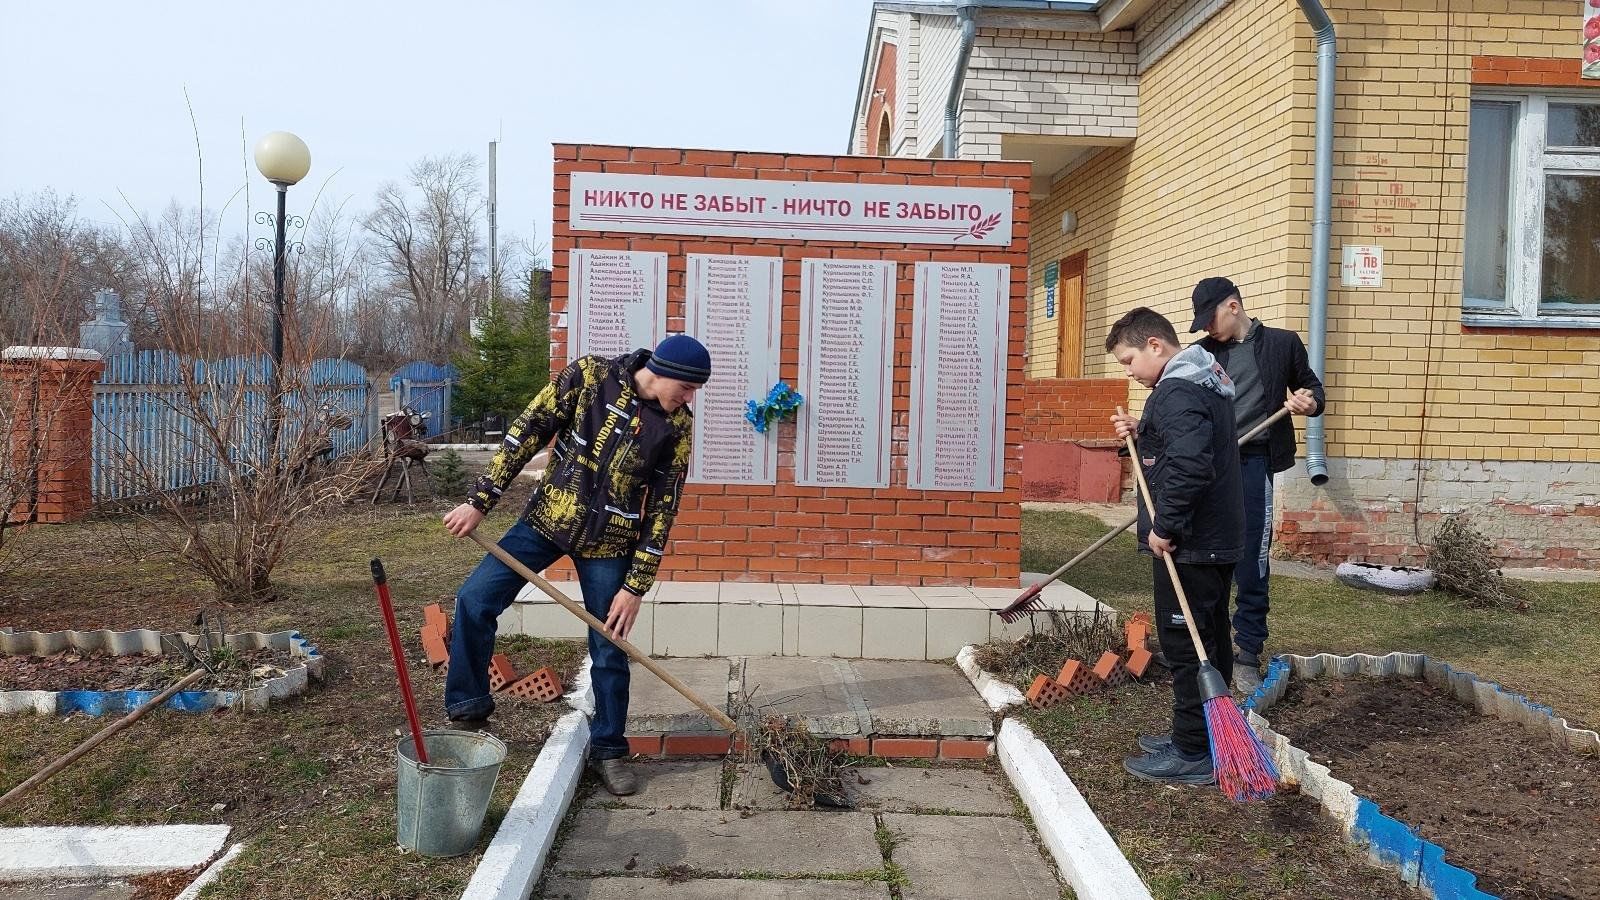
283 158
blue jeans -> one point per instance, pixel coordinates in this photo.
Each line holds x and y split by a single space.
491 588
1253 570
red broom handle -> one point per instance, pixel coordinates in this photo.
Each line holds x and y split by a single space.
382 584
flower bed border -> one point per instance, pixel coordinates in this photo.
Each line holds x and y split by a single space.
1389 842
147 641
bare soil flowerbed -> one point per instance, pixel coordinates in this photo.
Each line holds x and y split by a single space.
1191 843
1502 802
96 670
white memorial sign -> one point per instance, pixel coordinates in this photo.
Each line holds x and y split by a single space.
809 210
619 302
733 305
958 377
846 372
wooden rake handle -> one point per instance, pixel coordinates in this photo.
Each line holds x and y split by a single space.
634 653
1172 567
101 736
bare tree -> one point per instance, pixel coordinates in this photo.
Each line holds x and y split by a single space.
260 481
426 237
51 262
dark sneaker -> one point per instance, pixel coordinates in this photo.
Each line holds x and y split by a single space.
615 775
470 723
1169 767
1155 743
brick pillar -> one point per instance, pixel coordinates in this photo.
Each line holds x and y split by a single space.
50 392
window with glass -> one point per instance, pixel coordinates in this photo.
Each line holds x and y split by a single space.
1532 251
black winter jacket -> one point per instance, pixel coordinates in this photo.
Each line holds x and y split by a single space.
1190 456
1283 366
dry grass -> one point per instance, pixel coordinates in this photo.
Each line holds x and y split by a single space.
308 782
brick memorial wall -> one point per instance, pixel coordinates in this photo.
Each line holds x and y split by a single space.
889 292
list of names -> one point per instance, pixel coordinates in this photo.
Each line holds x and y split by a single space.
958 377
732 305
619 304
846 372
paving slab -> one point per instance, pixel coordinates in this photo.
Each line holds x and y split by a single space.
915 698
972 791
653 707
961 857
691 784
820 693
621 841
71 889
711 889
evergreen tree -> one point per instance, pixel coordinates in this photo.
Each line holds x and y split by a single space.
508 361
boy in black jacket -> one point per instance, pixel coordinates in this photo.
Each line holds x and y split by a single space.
1186 443
1266 364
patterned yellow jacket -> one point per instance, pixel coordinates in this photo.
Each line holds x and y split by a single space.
617 470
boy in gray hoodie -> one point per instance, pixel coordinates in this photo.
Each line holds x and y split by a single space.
1187 449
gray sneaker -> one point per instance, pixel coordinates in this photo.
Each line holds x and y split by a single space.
615 775
1246 672
1169 767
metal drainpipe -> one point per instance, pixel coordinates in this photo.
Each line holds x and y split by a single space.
952 104
1321 226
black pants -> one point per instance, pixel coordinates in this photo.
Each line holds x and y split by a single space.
1207 587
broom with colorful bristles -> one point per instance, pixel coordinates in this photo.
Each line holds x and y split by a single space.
1244 768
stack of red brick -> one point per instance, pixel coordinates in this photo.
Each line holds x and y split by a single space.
1077 679
543 685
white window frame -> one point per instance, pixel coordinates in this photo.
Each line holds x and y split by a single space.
1531 161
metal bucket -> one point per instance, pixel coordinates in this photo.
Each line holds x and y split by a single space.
441 805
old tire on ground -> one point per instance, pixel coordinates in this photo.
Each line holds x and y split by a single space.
1385 579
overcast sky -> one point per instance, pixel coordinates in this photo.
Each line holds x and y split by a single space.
94 102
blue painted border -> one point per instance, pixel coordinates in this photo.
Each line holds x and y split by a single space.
1390 841
99 703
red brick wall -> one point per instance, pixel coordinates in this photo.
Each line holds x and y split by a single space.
50 411
789 533
1067 409
1068 449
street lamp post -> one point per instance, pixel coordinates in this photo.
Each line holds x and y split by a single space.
282 159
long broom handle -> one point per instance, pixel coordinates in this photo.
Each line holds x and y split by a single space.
633 652
402 673
1089 551
101 736
1172 567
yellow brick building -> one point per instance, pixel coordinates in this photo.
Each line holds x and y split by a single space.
1175 140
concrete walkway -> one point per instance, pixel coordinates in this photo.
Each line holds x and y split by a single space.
711 828
67 889
909 708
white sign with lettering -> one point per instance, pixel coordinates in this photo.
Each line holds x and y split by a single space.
733 304
1363 267
959 342
808 210
846 372
619 302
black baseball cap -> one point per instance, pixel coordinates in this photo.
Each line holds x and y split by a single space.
1209 294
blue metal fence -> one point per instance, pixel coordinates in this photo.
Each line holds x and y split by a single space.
151 418
426 387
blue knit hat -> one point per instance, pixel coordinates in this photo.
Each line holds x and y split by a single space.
681 357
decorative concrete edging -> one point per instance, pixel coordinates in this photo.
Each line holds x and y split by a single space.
1392 843
1087 856
148 642
56 852
212 873
998 694
516 856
